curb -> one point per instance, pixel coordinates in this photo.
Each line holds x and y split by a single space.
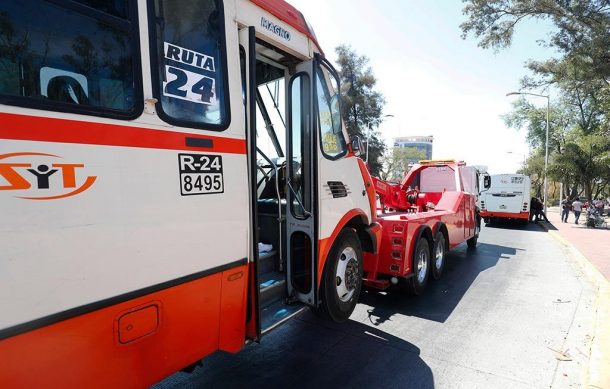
599 359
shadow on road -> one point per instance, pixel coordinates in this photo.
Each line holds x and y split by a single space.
440 298
548 226
516 225
314 353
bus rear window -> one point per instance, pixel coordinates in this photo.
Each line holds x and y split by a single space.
190 62
68 56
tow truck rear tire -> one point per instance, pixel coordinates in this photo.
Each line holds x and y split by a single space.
342 278
472 242
421 267
438 255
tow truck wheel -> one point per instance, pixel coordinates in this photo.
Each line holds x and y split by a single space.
472 242
342 279
421 267
438 255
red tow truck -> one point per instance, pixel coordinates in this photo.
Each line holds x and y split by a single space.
419 219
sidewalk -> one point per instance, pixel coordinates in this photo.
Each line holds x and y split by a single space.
593 243
591 246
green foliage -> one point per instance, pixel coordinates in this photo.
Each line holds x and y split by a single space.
396 162
581 26
533 119
362 105
534 168
584 161
579 131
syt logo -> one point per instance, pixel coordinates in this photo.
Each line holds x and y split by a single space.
40 176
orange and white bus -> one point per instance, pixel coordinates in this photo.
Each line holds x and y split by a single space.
175 179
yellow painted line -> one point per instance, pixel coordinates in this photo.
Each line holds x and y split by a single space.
599 360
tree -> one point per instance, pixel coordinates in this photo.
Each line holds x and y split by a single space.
534 168
580 116
585 162
533 119
362 105
396 162
586 97
581 27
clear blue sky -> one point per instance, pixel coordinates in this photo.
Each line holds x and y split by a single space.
435 83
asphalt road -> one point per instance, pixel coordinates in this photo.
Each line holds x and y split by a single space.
503 316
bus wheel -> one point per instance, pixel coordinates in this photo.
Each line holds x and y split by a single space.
342 277
421 267
438 255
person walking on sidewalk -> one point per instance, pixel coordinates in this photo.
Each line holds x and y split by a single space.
577 206
565 209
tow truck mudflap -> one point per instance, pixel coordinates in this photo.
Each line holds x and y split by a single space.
372 257
374 234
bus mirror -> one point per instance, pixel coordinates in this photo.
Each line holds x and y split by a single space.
356 145
486 181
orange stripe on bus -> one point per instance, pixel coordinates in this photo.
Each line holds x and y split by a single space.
43 129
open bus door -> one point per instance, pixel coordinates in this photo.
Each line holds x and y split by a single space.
286 215
301 212
248 74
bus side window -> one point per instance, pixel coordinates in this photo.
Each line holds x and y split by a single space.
189 70
74 57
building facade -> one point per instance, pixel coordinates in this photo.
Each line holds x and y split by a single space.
422 143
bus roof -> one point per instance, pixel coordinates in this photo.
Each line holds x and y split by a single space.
288 14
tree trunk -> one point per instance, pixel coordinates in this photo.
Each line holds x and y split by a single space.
588 190
574 191
600 190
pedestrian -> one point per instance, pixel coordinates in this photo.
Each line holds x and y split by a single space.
565 209
577 206
599 204
540 211
533 207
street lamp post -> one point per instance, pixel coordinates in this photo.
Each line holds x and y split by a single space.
368 134
546 146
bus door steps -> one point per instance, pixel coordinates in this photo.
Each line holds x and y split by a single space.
272 288
267 262
278 313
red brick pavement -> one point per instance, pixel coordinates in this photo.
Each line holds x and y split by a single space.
593 243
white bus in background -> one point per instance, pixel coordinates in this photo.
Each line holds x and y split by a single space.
507 198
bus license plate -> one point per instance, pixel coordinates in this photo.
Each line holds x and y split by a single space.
200 174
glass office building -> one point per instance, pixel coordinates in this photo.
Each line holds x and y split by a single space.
422 143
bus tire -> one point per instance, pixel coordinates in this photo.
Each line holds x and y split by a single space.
342 278
421 267
439 249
